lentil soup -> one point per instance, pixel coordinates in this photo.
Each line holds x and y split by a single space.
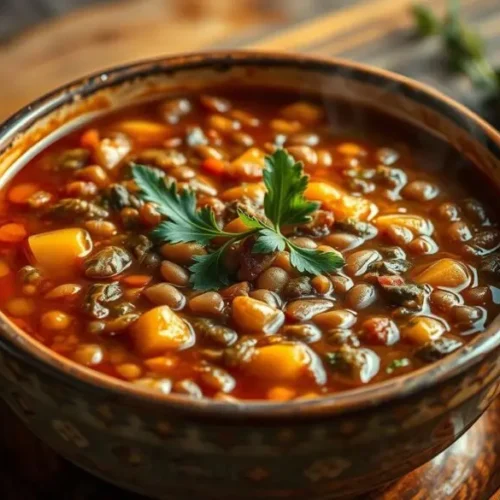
86 270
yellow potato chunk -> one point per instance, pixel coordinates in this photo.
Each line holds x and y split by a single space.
445 273
416 224
304 112
144 131
423 329
249 165
58 252
342 204
254 191
255 316
285 363
159 330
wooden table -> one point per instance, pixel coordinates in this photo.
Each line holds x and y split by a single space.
374 31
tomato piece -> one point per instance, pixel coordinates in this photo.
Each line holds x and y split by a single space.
380 331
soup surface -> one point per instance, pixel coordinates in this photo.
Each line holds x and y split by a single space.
392 268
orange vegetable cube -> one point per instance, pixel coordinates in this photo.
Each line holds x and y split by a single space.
159 330
249 165
144 131
58 252
423 329
12 233
415 223
285 363
21 193
214 166
255 316
342 204
445 273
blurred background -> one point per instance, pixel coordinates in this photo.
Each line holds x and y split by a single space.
50 42
46 43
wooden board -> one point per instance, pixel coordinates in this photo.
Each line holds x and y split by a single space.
374 31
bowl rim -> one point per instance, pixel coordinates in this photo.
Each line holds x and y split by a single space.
19 344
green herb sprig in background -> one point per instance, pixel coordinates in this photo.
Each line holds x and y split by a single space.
464 49
284 205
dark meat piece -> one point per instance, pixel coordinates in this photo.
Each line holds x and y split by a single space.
252 264
390 177
320 225
240 353
392 267
298 287
399 293
484 242
99 294
475 210
73 159
216 334
392 253
438 349
75 209
108 262
354 365
491 265
358 228
141 248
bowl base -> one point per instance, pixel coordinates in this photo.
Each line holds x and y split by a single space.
470 468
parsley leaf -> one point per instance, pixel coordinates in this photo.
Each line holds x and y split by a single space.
310 261
284 202
269 241
209 272
185 223
251 221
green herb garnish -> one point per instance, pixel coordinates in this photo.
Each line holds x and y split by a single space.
397 363
284 205
464 49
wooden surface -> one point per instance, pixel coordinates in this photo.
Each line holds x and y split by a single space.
374 31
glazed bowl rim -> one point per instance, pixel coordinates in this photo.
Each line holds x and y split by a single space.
21 345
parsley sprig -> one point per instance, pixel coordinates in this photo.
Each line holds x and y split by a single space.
284 205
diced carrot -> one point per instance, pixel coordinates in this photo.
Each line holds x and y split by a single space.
12 233
136 280
214 166
21 193
90 139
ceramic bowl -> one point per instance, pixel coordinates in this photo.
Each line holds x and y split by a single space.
169 447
